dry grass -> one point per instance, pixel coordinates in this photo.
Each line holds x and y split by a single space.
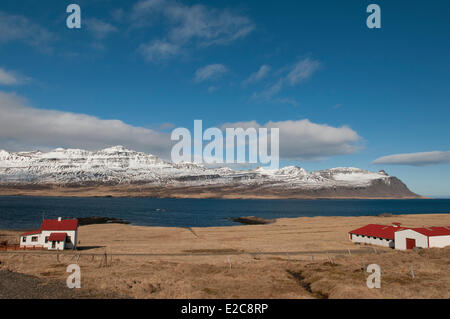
11 236
309 260
346 279
142 277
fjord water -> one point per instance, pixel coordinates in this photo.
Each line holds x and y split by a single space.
19 212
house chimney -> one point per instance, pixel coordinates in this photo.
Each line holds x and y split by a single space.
59 219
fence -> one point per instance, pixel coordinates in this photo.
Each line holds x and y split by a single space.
18 247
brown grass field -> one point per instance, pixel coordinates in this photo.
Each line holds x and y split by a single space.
304 257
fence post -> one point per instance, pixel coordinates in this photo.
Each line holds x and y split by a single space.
412 271
329 259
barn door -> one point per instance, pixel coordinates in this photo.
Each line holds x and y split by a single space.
410 243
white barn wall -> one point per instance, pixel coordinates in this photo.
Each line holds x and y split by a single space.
401 235
372 241
440 241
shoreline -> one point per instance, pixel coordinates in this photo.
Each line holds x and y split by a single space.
90 194
203 191
276 221
240 224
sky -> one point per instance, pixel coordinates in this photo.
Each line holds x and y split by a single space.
340 93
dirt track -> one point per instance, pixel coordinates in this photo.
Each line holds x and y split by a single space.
19 286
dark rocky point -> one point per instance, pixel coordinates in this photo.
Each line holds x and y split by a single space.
252 220
82 221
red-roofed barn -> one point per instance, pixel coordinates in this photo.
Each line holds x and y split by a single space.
399 237
425 237
375 234
54 234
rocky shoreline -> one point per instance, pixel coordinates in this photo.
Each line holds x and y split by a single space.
95 220
252 220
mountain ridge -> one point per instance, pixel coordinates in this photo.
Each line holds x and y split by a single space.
120 169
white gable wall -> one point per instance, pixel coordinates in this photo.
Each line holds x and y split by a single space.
68 245
401 235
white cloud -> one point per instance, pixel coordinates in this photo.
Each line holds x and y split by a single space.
208 25
286 100
158 50
192 26
416 159
211 71
11 78
268 93
166 126
304 140
99 28
23 127
297 73
302 71
142 7
20 28
259 75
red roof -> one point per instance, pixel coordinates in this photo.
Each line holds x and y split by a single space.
57 237
375 230
433 231
383 231
64 224
54 224
31 232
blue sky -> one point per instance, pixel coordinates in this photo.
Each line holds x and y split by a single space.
137 69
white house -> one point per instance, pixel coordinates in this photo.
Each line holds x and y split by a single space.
425 237
54 234
401 238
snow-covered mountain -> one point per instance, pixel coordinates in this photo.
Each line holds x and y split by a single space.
117 166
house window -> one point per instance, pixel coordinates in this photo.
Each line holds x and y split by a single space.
46 239
34 238
24 239
68 239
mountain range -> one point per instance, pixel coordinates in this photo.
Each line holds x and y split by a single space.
117 171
